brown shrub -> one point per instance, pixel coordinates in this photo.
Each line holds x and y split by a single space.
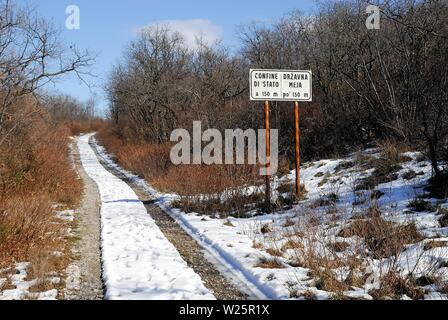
284 166
38 163
25 225
35 174
393 152
339 246
383 238
203 189
286 187
292 244
274 252
289 223
266 263
386 166
146 160
326 281
409 175
435 244
344 166
257 245
394 286
86 126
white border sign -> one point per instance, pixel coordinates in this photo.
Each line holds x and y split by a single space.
281 85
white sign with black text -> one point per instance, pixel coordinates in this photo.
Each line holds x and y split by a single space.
280 85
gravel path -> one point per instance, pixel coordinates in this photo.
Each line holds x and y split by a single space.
187 247
84 281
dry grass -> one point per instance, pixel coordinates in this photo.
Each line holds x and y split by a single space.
274 252
147 160
35 174
344 166
39 165
393 151
292 245
386 166
78 127
212 189
257 245
307 295
203 189
326 281
384 239
26 225
336 266
268 263
228 223
339 246
326 200
289 223
45 266
435 244
393 286
286 187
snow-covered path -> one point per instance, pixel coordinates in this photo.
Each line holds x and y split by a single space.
138 261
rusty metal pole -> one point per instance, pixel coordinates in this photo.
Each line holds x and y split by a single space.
297 138
268 156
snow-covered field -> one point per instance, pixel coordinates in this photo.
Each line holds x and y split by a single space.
239 244
138 261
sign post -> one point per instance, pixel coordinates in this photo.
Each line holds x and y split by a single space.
268 155
281 85
297 141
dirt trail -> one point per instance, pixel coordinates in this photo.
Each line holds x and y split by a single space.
85 274
187 247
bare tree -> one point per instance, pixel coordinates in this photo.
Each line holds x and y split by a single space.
31 56
368 84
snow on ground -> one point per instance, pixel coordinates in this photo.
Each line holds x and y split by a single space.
18 288
231 241
138 261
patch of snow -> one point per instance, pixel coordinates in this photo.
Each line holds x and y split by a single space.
22 287
73 281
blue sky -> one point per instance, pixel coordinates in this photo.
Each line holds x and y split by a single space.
107 26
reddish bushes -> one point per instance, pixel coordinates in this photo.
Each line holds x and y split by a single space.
152 161
86 126
25 225
40 166
146 160
204 189
35 174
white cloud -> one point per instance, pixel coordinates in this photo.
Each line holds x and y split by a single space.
192 29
